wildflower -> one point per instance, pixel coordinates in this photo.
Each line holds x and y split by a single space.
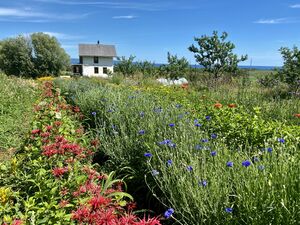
57 123
189 168
229 164
261 167
202 183
214 136
59 171
269 150
148 154
246 163
95 142
297 115
154 173
208 118
48 128
198 124
172 145
178 106
157 110
281 140
218 105
198 147
142 114
228 210
97 201
172 124
164 142
213 153
36 131
17 222
94 113
141 132
169 162
232 105
63 203
204 140
168 213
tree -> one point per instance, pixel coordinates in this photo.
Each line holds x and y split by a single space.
147 68
215 54
176 67
290 72
15 56
126 66
49 57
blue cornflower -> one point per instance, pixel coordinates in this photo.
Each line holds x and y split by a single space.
198 147
169 162
178 106
202 183
213 153
168 213
155 172
141 132
94 113
164 142
208 117
198 124
148 154
172 145
114 127
281 140
142 114
214 136
204 140
110 110
229 164
255 159
172 124
246 163
157 110
228 210
189 168
195 121
269 150
261 167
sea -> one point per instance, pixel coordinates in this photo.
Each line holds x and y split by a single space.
76 61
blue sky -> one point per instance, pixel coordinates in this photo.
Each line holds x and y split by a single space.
149 29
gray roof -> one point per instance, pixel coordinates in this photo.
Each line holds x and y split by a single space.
97 50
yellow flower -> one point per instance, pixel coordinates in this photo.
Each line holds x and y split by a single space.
5 194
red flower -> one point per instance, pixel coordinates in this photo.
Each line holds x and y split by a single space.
218 105
45 134
59 171
17 222
36 131
63 203
98 201
48 128
232 105
76 109
297 115
95 142
57 123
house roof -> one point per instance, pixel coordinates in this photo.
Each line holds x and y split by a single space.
97 50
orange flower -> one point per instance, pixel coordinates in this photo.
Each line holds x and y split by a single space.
185 86
232 105
297 115
218 105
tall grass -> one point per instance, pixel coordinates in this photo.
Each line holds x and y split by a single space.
187 168
17 97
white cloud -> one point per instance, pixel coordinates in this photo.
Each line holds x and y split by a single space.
12 12
63 36
275 21
124 17
296 6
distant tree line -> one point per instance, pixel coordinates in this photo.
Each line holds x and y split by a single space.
35 55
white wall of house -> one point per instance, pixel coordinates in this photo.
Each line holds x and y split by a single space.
88 67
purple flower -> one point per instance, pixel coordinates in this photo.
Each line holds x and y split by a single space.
110 110
202 183
204 140
229 164
208 118
142 114
281 140
198 124
169 162
198 147
141 132
214 136
255 159
213 153
155 172
246 163
164 142
172 124
168 213
94 113
148 154
228 210
189 168
172 145
269 150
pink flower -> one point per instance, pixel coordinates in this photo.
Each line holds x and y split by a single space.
59 171
36 131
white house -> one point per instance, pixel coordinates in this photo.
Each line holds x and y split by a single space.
95 60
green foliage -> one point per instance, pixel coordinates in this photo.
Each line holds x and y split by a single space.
132 121
147 68
37 55
290 72
215 54
17 97
176 67
126 66
16 57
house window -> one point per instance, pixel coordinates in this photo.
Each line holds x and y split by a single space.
105 70
80 60
96 59
96 70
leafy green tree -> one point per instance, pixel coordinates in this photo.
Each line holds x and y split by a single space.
290 72
147 68
176 67
16 56
126 66
215 54
49 57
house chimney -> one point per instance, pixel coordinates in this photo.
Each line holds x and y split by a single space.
98 42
